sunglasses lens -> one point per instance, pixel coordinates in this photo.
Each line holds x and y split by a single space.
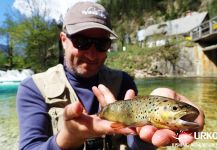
84 43
103 45
81 43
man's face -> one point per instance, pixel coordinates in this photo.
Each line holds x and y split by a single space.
85 63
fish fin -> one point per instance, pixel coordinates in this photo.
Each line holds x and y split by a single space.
117 125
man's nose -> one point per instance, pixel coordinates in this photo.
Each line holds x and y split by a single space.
92 52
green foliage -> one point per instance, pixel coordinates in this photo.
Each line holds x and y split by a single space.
133 58
169 53
125 13
3 60
212 8
175 9
41 43
129 8
128 15
6 31
19 62
137 58
36 37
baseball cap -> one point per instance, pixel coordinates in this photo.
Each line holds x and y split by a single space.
87 15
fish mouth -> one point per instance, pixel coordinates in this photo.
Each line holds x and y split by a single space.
187 120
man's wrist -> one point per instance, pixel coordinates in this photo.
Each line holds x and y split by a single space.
67 141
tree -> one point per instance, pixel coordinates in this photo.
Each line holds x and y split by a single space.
7 31
40 37
41 43
212 8
3 59
35 37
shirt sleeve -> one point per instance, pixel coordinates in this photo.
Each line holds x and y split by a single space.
34 121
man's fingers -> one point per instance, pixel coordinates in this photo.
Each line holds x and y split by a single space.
125 131
146 133
72 111
164 92
164 137
103 95
160 137
186 138
108 96
129 94
99 95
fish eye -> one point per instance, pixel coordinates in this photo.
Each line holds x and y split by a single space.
175 108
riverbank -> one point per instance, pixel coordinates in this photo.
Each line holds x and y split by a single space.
180 58
9 134
8 118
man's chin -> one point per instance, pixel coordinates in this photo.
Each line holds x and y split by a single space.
86 73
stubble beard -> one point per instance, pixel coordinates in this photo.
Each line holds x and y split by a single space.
81 69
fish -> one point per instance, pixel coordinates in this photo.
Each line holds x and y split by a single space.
159 111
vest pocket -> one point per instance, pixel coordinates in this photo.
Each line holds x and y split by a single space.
59 100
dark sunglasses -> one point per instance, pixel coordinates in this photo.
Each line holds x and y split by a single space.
84 43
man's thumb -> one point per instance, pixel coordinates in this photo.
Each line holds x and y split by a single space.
72 111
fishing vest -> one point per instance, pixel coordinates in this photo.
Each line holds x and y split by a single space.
57 91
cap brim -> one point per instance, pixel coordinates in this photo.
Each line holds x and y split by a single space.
75 28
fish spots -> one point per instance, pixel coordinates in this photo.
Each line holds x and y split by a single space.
157 120
149 99
160 111
140 117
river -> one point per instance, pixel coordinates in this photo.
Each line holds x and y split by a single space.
202 91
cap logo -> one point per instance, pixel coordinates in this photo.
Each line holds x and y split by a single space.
94 11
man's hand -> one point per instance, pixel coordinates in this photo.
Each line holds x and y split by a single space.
79 126
105 97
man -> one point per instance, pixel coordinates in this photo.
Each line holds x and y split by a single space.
57 108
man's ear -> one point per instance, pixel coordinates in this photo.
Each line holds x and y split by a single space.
63 39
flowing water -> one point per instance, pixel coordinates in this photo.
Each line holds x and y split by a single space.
203 91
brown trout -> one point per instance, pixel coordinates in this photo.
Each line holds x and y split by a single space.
161 112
